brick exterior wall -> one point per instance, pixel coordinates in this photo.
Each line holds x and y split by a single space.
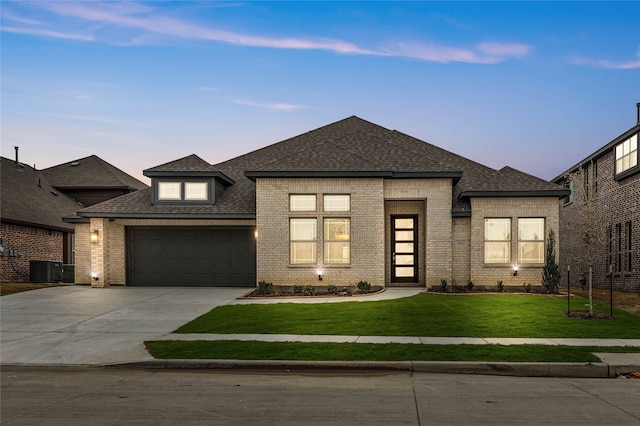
609 203
107 257
514 208
460 251
31 244
367 231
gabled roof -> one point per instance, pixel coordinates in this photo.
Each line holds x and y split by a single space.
90 173
27 198
349 147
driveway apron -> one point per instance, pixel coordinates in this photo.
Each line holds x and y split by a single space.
76 325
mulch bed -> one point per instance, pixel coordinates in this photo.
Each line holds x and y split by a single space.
586 315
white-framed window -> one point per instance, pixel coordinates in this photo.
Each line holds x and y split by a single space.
196 191
336 203
531 240
627 154
337 240
497 240
169 191
302 240
302 202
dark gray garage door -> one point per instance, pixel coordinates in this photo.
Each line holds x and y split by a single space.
191 256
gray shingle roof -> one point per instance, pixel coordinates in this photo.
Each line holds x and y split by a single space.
190 163
347 146
90 172
29 199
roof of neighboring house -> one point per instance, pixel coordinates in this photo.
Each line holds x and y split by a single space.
91 172
602 151
349 147
29 199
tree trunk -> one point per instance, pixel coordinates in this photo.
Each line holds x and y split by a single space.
590 288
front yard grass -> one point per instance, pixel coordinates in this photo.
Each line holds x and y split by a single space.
298 351
430 315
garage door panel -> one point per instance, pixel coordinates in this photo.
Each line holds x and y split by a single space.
191 256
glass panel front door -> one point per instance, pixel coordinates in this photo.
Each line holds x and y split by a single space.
404 248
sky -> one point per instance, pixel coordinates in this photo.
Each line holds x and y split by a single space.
537 86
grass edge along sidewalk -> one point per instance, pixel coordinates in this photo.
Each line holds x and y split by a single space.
486 315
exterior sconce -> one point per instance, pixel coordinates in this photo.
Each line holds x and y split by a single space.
515 271
255 234
94 275
94 237
319 275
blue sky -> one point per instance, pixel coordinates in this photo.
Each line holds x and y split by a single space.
534 85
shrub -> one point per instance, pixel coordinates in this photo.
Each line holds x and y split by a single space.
551 269
443 285
527 287
298 289
332 289
470 285
264 287
309 290
363 286
500 286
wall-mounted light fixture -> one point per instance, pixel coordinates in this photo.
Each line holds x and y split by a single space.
319 272
255 234
94 275
94 237
515 271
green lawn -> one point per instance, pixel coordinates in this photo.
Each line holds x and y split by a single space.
298 351
431 315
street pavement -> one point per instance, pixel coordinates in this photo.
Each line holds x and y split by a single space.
110 396
78 325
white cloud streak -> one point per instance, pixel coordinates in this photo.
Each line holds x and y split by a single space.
604 63
145 18
276 106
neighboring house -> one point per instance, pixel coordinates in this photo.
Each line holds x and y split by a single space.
91 180
600 219
31 226
34 202
349 201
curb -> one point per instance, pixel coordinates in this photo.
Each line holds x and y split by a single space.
516 369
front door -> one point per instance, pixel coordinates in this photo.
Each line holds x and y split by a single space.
404 248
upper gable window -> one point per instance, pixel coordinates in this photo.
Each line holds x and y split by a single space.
183 191
337 203
302 203
169 191
627 154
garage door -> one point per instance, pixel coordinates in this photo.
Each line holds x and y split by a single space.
191 256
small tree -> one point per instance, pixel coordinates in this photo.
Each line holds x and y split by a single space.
551 270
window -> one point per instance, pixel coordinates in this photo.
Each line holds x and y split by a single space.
497 240
627 154
595 176
337 240
569 198
531 240
337 203
585 183
618 266
169 191
196 191
302 203
302 234
610 244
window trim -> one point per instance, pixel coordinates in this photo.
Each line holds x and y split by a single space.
182 182
324 203
621 174
314 241
298 210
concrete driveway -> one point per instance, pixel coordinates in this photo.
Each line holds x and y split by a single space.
76 325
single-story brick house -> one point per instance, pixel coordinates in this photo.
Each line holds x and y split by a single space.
349 201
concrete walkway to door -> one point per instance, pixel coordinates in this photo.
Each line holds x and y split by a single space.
77 325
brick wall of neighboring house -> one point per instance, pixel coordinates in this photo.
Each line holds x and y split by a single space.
106 258
514 208
367 231
30 244
601 205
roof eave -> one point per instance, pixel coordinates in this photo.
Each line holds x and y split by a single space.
225 216
559 193
173 174
253 175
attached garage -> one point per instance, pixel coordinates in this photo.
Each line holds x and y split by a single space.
191 256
